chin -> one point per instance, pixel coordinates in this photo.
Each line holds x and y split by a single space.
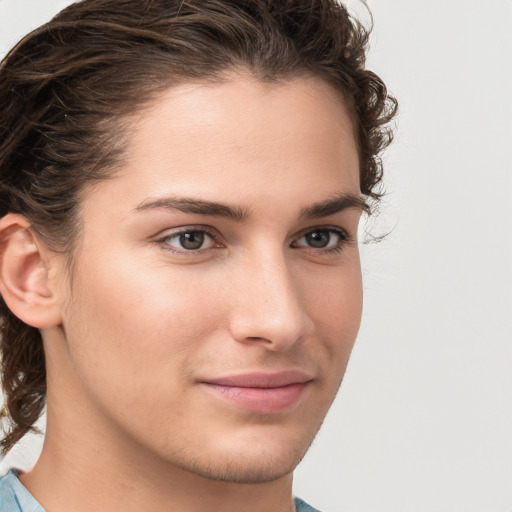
250 461
245 469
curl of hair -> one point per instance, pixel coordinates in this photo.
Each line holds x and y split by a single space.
69 89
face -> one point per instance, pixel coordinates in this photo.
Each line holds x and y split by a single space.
216 290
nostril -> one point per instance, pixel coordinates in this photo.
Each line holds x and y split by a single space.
257 338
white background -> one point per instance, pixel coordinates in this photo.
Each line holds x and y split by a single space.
423 422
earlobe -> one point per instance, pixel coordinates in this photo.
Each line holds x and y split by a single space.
24 274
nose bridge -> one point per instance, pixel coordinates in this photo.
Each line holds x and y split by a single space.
269 309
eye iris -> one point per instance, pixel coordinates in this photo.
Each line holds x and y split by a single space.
192 240
318 239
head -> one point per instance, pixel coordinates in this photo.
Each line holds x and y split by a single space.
91 105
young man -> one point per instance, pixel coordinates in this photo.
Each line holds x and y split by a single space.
181 186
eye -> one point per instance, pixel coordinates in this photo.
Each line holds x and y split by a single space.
188 240
323 239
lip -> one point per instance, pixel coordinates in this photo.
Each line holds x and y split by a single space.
264 393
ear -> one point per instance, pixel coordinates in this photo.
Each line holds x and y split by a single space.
24 274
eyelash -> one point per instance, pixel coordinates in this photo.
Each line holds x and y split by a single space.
343 239
163 242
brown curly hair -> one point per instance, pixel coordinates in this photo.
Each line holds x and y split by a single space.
68 88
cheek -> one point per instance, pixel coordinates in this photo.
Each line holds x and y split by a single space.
336 308
134 326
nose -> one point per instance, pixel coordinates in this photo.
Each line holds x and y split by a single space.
268 307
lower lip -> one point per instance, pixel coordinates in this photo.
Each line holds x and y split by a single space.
261 400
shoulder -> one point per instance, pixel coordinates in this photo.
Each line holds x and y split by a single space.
14 497
302 506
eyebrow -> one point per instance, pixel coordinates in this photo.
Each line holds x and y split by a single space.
198 206
331 206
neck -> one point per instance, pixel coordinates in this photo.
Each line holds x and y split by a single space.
80 470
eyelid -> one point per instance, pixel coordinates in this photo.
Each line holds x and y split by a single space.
163 236
327 227
345 238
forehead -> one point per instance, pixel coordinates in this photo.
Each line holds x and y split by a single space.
241 105
241 139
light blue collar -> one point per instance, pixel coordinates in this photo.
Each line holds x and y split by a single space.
14 497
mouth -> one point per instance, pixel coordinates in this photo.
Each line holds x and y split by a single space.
263 393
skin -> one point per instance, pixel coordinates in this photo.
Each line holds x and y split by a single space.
146 321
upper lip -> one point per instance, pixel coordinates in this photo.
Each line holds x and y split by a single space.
261 379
